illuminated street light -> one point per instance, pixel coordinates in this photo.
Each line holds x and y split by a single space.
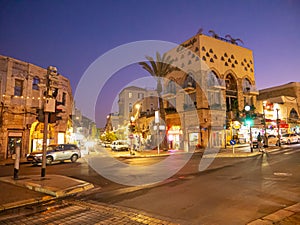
249 122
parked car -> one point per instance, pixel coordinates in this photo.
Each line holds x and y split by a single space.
119 145
272 140
289 138
106 144
59 152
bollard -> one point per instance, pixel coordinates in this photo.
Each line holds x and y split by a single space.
17 163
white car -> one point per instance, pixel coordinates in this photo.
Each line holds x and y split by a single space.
273 140
289 138
59 152
119 145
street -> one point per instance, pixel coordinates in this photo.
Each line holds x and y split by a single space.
242 190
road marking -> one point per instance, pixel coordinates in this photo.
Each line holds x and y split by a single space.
292 152
282 174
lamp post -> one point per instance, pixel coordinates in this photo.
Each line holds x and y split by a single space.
131 135
156 120
138 106
264 123
248 110
277 120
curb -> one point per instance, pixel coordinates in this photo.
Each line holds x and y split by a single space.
53 191
31 201
277 216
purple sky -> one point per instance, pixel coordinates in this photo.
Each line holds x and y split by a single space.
72 34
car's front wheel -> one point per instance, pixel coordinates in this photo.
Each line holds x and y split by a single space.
74 158
49 160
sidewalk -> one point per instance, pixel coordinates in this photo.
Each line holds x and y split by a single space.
34 189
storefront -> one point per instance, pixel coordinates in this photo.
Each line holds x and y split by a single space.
174 135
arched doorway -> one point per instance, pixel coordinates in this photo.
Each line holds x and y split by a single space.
36 136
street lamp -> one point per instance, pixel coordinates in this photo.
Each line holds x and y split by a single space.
248 122
131 135
277 120
138 106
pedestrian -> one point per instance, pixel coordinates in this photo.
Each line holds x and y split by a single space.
259 142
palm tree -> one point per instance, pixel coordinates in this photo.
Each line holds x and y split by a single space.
159 68
213 34
200 31
233 40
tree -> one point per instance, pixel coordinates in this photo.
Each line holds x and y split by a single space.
159 68
234 40
213 34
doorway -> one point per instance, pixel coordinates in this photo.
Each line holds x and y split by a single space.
11 146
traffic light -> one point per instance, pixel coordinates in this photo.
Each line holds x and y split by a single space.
53 117
249 120
52 81
40 115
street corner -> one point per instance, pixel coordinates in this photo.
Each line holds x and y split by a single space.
54 185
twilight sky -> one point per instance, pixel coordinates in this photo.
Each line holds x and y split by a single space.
71 35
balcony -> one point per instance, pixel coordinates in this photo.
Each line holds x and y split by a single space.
169 94
250 90
217 84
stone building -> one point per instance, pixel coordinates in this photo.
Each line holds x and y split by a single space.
132 95
22 88
284 99
214 82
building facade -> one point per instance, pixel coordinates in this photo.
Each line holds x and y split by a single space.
281 108
215 82
22 91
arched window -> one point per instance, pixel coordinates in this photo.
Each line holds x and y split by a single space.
230 83
212 79
294 114
171 88
189 81
35 83
246 85
231 93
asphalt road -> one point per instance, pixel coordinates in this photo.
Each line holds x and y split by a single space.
241 191
235 194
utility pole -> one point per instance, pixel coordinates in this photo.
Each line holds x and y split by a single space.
49 106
